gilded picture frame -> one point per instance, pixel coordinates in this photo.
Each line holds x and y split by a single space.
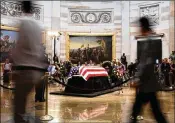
113 35
15 29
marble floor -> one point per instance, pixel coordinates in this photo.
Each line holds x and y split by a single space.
109 108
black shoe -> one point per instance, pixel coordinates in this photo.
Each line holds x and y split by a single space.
43 100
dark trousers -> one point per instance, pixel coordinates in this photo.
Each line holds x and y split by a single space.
126 65
25 80
6 76
131 72
143 98
40 89
172 78
166 75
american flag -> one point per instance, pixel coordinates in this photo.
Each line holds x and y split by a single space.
92 71
74 71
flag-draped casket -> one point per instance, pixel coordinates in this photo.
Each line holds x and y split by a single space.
87 79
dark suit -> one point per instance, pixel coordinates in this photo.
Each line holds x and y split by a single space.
172 76
40 89
165 69
124 61
131 69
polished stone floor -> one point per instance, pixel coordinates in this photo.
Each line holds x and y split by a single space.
109 108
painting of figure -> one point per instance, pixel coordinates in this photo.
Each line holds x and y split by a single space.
86 48
7 43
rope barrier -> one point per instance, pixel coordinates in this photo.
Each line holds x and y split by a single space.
58 81
2 86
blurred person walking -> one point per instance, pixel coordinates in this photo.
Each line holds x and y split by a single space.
146 78
30 63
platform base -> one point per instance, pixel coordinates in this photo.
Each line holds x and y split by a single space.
46 118
94 94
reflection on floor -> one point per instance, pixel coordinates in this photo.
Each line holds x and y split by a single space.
109 108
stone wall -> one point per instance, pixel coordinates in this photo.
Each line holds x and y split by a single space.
172 38
90 24
120 20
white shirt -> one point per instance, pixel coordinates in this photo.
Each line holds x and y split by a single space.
29 50
7 66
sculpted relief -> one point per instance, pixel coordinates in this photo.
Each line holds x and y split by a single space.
13 8
90 16
151 12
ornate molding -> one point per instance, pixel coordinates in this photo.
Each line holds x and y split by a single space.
13 8
152 12
90 16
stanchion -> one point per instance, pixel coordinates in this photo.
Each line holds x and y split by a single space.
46 117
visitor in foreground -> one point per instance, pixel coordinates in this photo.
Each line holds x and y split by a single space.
147 82
30 64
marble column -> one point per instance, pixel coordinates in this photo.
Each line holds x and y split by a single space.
126 29
55 25
172 38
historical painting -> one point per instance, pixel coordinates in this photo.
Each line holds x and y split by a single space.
8 40
86 48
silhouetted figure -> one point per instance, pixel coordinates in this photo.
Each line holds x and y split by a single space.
135 66
30 64
55 59
131 69
147 81
123 60
172 56
165 69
